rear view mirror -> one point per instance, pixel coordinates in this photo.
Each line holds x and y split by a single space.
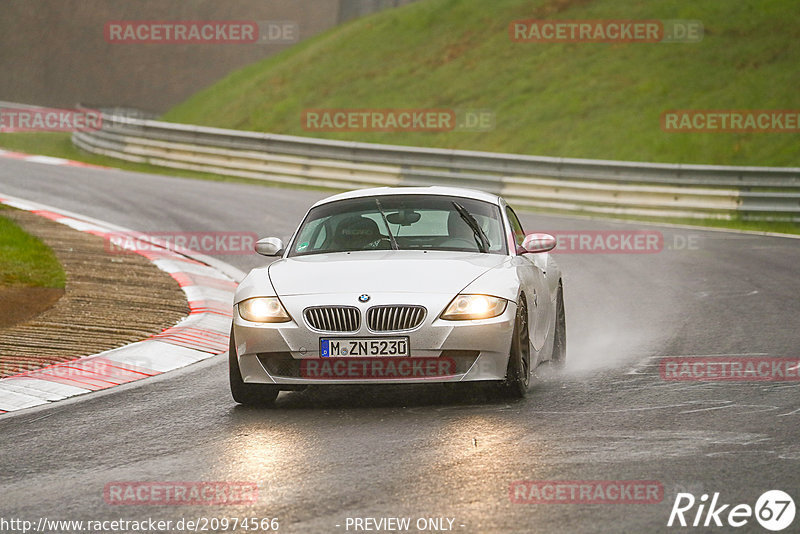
404 218
534 243
269 246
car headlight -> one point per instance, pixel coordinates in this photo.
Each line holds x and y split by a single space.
467 307
263 310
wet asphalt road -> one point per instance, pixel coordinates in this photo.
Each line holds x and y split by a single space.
322 456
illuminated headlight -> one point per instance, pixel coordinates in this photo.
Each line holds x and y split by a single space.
467 307
263 310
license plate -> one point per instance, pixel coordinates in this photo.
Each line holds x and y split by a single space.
361 347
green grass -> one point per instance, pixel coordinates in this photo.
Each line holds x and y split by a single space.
585 100
777 227
25 260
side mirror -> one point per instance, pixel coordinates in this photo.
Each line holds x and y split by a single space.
269 246
534 243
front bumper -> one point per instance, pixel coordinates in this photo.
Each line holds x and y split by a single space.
441 351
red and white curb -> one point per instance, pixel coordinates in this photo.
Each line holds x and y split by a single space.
47 160
208 284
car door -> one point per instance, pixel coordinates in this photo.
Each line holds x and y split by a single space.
532 276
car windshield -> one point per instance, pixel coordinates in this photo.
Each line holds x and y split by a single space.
403 222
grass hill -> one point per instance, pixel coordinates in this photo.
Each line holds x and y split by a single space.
591 100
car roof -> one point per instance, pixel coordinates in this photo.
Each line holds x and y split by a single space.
431 190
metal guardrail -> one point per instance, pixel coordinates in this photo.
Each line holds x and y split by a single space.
594 186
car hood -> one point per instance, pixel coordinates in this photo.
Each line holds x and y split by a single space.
401 271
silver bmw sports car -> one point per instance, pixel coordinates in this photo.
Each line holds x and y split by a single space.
399 285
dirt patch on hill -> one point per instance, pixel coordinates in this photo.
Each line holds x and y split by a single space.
18 304
110 300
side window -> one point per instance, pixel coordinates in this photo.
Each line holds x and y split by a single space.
516 226
309 239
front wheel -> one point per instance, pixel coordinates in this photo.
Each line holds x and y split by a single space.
243 393
518 373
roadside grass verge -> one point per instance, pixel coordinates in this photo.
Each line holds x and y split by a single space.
776 227
25 261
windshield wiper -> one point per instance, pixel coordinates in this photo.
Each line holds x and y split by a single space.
480 237
386 222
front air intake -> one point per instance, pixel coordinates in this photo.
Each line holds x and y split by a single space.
333 318
394 318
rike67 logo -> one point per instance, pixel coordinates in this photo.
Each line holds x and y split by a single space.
774 510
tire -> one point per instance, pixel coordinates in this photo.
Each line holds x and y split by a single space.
247 394
559 357
518 372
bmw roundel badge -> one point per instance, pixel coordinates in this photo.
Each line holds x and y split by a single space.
363 298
